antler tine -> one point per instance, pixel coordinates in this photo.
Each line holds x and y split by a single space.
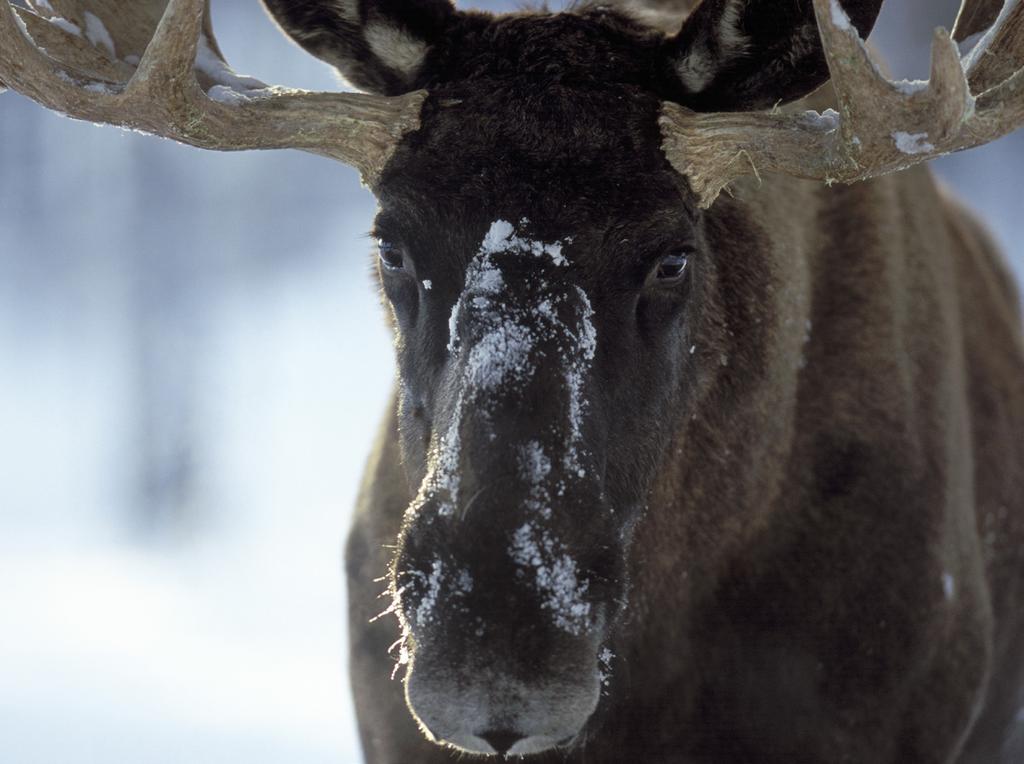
171 54
881 126
198 102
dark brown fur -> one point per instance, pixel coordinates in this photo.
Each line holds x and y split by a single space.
830 565
826 489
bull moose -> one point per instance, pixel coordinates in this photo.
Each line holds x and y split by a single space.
672 474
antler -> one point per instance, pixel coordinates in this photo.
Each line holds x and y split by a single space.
881 126
154 66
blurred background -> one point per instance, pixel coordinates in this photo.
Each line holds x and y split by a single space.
193 360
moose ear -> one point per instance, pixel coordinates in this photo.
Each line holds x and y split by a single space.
379 46
745 55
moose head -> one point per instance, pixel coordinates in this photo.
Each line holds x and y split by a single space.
548 263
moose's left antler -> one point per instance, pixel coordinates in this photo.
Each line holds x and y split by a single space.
154 66
881 126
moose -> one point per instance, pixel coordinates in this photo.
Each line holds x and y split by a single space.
708 439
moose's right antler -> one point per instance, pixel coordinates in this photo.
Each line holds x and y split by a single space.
154 66
881 126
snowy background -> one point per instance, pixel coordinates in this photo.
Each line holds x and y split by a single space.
192 363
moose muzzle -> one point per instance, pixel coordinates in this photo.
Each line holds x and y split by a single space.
505 578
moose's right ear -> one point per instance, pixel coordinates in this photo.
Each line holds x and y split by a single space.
745 55
379 46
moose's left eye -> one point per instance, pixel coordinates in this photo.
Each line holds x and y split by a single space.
391 257
671 268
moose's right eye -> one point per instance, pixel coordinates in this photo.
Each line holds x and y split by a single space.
391 257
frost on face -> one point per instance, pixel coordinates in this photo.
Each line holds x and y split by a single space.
535 467
425 610
501 353
435 584
604 666
500 332
554 575
501 238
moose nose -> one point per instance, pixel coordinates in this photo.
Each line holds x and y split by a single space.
484 711
501 740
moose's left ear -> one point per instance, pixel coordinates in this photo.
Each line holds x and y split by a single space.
745 55
378 45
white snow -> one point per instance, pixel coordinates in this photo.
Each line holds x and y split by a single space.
574 384
445 478
132 60
966 45
68 26
948 585
434 584
502 352
44 4
496 236
495 339
209 64
97 34
501 238
839 17
537 466
554 576
501 355
99 87
464 582
912 143
21 25
971 59
428 284
604 666
587 334
910 87
826 121
425 610
225 94
575 372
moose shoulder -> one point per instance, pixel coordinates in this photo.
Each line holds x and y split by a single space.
672 475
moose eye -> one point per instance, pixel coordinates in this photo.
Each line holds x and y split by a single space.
391 257
671 268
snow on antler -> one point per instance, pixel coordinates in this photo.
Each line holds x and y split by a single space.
881 126
154 66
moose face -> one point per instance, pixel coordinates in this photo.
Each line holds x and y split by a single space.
547 273
542 313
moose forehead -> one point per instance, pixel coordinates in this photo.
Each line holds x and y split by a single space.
590 45
537 110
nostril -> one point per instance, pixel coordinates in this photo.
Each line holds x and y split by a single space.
501 740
